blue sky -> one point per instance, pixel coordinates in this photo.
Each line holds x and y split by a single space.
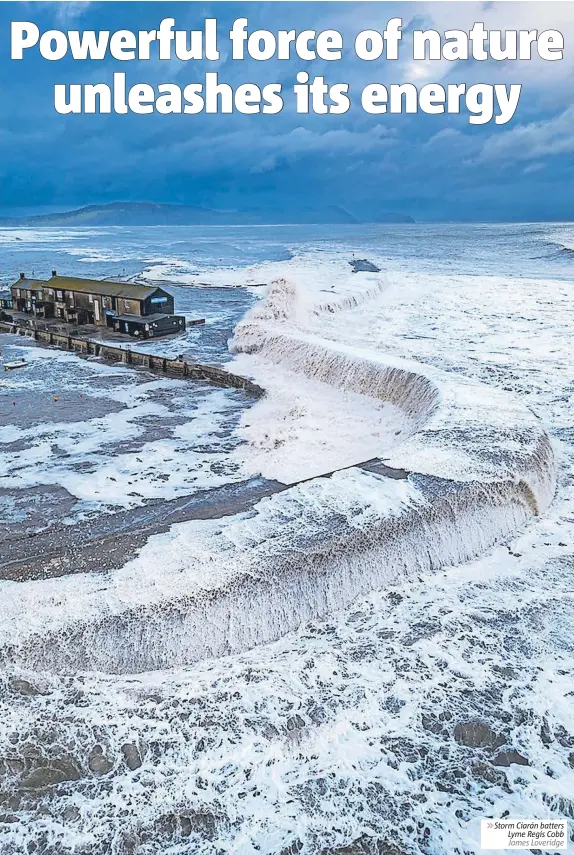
430 167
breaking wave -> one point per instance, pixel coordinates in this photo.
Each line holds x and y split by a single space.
561 240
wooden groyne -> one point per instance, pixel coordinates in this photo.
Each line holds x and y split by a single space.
151 362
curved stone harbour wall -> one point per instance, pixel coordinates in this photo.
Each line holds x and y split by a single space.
478 466
463 430
230 598
399 384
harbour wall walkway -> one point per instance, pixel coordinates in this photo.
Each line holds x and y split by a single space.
151 362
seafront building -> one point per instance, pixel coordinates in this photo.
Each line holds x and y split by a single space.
142 311
5 300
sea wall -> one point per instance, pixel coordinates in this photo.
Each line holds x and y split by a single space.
155 363
399 384
478 466
247 581
229 584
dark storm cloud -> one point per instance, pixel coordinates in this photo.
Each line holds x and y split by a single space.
426 166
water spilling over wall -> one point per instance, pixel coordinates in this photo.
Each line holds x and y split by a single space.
412 392
249 581
464 430
481 466
354 722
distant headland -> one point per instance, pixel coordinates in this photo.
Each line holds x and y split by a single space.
158 214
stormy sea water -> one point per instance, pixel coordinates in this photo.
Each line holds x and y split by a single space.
391 726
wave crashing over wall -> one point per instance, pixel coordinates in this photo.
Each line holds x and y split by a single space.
477 465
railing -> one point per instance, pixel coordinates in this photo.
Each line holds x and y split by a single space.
152 362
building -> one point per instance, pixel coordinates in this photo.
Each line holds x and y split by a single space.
5 300
139 310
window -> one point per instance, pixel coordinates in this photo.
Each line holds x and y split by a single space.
90 298
131 307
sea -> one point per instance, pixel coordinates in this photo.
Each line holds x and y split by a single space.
392 725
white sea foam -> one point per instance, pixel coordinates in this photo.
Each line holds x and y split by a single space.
302 429
468 436
107 460
345 724
45 235
320 278
346 728
176 270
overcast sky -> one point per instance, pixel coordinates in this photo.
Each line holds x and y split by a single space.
431 167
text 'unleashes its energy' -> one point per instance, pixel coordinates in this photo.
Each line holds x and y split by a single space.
483 102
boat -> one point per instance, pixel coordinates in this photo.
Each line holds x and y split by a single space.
19 363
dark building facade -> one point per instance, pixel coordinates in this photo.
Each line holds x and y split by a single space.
138 310
148 326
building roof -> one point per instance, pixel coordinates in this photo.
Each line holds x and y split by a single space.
106 289
29 284
89 286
